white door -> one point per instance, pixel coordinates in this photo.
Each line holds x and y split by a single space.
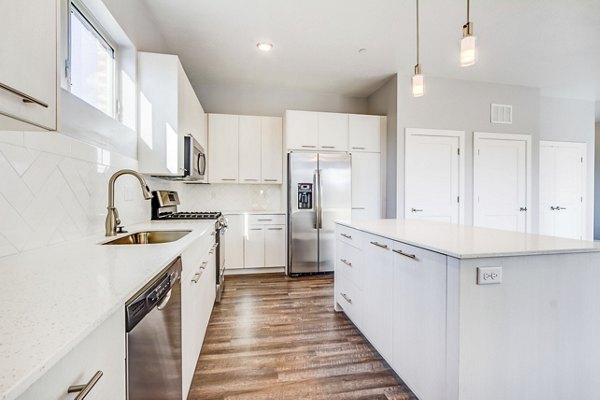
301 130
234 241
433 175
366 185
275 246
254 247
501 176
249 149
364 132
223 143
562 183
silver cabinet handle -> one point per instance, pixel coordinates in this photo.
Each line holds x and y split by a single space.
413 256
358 208
383 246
251 180
196 277
558 208
84 390
346 236
212 249
415 210
308 147
203 265
275 229
358 148
229 179
265 219
328 147
348 263
271 180
25 97
523 209
348 299
255 229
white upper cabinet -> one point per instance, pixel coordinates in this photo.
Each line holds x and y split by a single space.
364 132
366 186
254 142
223 148
168 110
333 131
271 150
250 149
302 130
28 71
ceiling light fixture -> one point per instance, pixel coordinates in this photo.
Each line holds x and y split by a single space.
468 52
264 46
418 86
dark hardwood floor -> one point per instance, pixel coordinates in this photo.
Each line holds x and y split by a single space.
274 337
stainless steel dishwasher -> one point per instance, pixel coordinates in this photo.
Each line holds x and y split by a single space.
153 322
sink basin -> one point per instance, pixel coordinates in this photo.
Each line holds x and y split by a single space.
149 237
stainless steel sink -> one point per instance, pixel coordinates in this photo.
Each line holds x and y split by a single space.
149 237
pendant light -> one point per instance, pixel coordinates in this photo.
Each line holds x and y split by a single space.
468 51
418 85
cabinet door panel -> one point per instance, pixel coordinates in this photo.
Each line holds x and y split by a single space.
378 272
254 247
29 59
249 149
419 304
272 150
366 185
223 143
234 242
364 132
301 130
333 131
275 246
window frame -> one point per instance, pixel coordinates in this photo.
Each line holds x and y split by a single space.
87 18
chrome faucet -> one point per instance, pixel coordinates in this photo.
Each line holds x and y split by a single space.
112 218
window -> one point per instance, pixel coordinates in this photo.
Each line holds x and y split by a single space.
91 63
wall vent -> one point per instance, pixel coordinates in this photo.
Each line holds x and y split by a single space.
501 114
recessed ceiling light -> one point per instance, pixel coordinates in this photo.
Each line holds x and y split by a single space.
264 46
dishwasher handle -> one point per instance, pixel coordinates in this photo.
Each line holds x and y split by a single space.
163 303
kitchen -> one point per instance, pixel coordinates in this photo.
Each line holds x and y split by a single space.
200 113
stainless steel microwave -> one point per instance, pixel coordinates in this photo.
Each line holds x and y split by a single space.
194 160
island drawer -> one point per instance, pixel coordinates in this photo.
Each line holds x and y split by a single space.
349 262
347 295
349 235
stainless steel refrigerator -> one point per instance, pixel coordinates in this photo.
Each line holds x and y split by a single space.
319 193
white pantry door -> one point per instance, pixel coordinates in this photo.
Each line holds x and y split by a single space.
562 189
434 171
501 181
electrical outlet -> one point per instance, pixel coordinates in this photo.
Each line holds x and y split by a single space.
489 275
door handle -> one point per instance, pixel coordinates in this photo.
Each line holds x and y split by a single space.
383 246
24 97
560 208
413 256
348 263
346 236
163 303
84 390
415 210
523 209
320 200
349 300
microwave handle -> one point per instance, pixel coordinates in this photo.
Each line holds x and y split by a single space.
201 163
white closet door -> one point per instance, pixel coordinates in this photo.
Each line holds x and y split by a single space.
562 183
501 181
433 175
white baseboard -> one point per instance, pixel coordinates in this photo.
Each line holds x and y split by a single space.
248 271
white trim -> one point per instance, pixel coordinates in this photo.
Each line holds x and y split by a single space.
583 149
461 166
477 136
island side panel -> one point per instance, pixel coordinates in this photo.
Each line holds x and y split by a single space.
452 327
535 335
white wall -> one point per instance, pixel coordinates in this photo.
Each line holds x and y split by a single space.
384 102
224 99
569 120
463 105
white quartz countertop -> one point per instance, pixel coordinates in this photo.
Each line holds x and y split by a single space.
462 241
52 298
260 212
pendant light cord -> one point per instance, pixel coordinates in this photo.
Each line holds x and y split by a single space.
418 32
468 10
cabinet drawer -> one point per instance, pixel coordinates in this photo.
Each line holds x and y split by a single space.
103 350
197 253
349 263
350 236
266 219
347 295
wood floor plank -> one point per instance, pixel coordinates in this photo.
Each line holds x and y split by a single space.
274 337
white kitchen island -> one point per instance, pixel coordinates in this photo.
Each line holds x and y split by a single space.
469 313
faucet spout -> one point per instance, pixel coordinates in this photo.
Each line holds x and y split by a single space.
112 217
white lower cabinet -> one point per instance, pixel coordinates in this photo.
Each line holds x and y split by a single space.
419 320
254 247
275 246
84 361
197 300
234 242
378 289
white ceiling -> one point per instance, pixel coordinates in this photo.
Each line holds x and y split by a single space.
550 44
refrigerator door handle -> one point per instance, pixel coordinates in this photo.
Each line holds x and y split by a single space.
320 200
316 198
